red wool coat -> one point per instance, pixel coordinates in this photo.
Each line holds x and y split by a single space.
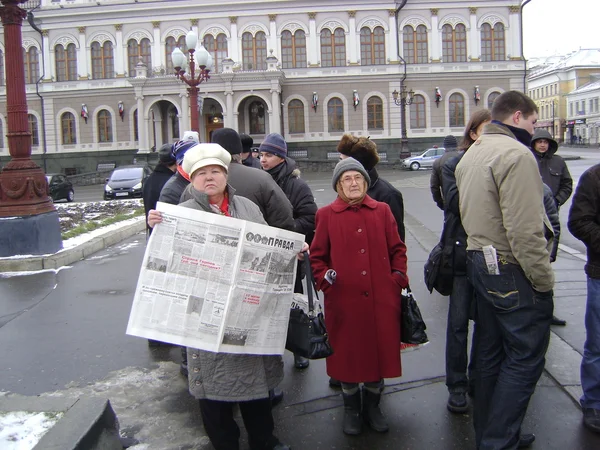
362 308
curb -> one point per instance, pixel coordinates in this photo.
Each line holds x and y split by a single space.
77 253
562 360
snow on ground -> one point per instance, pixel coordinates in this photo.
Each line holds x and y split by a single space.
22 430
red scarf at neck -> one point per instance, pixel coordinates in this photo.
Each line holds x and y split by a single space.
224 208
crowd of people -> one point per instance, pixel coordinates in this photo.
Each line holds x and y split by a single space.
500 187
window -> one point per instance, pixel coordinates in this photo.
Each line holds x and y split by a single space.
591 107
136 131
296 116
1 134
333 48
491 98
417 113
217 49
67 124
492 42
571 109
374 113
456 104
335 115
33 129
372 46
596 104
546 91
104 126
257 118
454 43
66 62
293 49
254 51
170 45
32 65
1 69
583 107
136 50
415 44
102 60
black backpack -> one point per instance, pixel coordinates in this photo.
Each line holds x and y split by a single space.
439 273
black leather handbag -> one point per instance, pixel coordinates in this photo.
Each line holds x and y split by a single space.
307 335
412 325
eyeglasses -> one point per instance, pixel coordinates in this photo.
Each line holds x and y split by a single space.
351 179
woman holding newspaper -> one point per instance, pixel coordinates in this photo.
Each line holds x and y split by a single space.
359 262
219 380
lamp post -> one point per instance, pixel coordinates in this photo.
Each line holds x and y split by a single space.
196 76
402 99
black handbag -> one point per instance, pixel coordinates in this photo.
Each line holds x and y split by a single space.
307 335
412 325
438 271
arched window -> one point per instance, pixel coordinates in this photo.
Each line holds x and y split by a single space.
374 113
454 43
102 60
136 50
33 129
333 48
335 115
217 49
254 51
415 44
456 105
296 116
1 69
66 62
492 42
32 65
136 132
372 46
104 126
67 124
170 45
417 113
257 117
493 96
293 49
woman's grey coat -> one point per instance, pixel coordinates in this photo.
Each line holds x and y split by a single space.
224 376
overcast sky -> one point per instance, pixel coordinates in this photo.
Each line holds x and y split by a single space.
560 26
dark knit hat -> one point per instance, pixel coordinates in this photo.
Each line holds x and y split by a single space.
179 149
229 139
247 142
275 144
450 142
344 166
363 149
165 155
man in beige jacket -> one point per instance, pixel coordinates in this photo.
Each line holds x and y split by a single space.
501 206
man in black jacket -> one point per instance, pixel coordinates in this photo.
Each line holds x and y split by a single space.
163 171
248 158
435 182
584 224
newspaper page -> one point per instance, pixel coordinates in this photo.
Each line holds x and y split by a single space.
216 283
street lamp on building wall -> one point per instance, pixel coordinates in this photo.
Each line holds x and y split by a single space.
402 99
196 57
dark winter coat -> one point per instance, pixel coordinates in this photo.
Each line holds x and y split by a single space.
383 191
553 169
435 182
251 161
362 307
584 218
153 186
552 213
454 235
172 190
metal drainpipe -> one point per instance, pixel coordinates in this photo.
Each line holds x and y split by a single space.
37 87
522 48
398 37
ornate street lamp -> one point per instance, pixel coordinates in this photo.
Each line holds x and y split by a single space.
402 99
28 221
197 75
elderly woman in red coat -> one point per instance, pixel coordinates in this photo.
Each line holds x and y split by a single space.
359 263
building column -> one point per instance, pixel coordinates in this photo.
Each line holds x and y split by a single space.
434 37
393 50
184 119
474 41
82 57
275 122
119 54
273 40
352 43
313 40
513 41
48 60
228 117
142 125
158 56
233 44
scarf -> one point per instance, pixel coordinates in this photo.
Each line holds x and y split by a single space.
521 135
223 209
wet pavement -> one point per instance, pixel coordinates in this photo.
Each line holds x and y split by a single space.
63 334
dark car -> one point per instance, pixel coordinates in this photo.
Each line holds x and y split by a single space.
59 187
126 182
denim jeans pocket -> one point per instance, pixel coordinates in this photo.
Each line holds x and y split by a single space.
502 290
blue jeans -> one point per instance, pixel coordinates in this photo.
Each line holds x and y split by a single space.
513 331
457 337
590 365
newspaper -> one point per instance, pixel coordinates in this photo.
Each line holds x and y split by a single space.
216 283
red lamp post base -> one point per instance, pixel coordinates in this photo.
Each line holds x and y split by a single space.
23 189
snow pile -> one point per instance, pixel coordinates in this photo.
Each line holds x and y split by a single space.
22 430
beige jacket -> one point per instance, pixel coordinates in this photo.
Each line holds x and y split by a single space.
501 203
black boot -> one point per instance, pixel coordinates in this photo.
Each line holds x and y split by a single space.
352 419
371 412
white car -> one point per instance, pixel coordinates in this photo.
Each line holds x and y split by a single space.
425 159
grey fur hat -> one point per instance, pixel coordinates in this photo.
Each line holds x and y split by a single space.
344 166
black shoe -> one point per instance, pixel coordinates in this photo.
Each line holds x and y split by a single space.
525 440
372 414
334 383
457 402
591 419
300 362
352 418
276 396
557 321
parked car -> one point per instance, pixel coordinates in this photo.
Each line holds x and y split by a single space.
59 187
126 182
425 159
